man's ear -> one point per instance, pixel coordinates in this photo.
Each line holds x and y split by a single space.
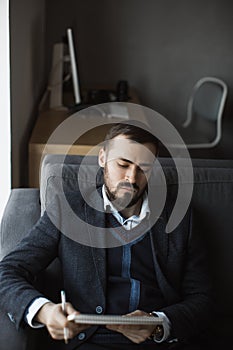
102 158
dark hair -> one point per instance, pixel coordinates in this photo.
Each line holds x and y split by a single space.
138 133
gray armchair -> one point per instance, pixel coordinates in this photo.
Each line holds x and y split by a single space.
212 217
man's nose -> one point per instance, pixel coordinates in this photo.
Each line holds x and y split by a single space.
131 175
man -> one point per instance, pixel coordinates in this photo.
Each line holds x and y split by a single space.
148 272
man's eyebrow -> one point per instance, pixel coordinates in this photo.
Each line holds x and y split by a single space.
141 164
126 160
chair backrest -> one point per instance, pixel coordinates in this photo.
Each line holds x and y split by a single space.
207 99
205 111
211 201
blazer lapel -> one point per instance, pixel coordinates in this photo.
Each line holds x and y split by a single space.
95 221
160 250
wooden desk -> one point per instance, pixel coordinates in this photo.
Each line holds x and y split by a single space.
48 122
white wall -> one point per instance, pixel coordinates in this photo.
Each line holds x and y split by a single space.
5 144
27 24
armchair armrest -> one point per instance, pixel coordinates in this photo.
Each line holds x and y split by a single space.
21 213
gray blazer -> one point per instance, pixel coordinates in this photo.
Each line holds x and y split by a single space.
179 262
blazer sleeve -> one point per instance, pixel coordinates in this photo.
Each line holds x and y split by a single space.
20 267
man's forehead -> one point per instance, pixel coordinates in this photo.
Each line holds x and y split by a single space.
123 148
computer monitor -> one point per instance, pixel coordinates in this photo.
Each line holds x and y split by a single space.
63 56
64 67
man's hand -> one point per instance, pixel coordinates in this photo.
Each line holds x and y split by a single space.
52 316
136 333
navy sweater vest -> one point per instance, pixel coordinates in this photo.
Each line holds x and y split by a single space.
131 277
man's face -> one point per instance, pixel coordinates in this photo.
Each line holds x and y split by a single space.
127 167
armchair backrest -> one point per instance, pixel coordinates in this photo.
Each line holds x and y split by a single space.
211 201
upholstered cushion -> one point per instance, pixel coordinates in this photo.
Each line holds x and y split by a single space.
61 173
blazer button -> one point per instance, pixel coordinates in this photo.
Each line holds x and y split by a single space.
11 317
99 309
81 336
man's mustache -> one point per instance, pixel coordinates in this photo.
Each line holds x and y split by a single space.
128 185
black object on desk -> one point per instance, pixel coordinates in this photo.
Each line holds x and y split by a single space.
98 96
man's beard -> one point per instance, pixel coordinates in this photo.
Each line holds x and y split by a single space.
128 199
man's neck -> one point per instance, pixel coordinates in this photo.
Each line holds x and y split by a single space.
133 210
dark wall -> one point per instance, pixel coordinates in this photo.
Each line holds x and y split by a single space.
27 61
162 47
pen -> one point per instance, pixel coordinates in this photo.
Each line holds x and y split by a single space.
63 305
